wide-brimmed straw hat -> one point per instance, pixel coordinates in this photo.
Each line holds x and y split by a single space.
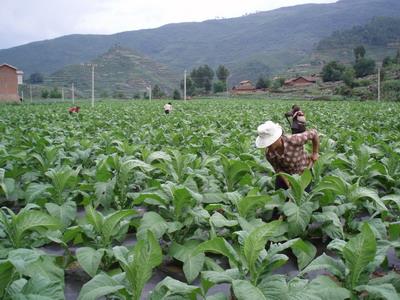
268 133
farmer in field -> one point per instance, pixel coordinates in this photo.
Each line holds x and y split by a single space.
286 153
74 109
298 122
167 108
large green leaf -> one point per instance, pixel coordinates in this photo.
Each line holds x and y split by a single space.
113 220
220 246
6 272
192 266
392 277
225 276
383 291
29 220
244 290
23 258
298 217
274 287
66 212
298 184
169 287
256 240
94 218
325 262
104 192
219 220
139 264
392 198
89 259
158 155
41 288
305 252
100 285
36 190
154 222
358 253
248 204
367 193
331 224
182 252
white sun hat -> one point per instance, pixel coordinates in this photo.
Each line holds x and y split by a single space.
268 133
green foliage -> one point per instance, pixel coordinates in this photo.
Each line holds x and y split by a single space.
380 31
35 78
137 265
55 93
45 94
136 96
202 77
176 95
391 90
359 52
364 67
157 92
263 83
333 71
219 86
194 183
190 86
348 77
18 227
222 73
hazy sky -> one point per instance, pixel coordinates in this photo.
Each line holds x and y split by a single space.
23 21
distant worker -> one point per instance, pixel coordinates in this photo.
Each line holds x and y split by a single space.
286 153
167 108
74 109
298 123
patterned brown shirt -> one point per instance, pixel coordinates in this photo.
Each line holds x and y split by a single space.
294 159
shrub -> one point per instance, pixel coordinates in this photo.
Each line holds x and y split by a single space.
364 67
391 90
333 71
176 95
45 94
55 93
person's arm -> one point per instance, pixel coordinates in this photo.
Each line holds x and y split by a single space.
315 144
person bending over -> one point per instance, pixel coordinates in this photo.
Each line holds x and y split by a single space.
298 122
286 153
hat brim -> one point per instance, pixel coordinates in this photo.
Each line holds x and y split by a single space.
268 141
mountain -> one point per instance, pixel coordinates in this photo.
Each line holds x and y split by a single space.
379 32
380 37
119 71
257 44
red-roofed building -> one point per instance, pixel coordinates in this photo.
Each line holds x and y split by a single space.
244 86
301 81
10 77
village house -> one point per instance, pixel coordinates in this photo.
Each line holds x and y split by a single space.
300 81
244 86
10 78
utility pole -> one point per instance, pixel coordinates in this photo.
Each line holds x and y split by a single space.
184 86
379 83
73 94
227 89
92 65
30 91
149 89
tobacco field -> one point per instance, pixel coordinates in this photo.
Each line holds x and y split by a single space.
125 202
